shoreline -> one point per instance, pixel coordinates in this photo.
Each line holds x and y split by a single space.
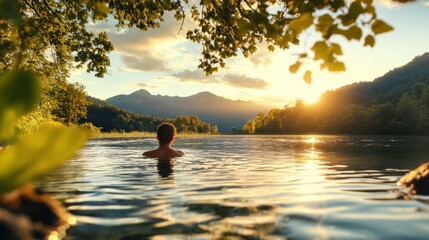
106 135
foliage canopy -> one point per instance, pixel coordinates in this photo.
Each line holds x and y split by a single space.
70 102
223 28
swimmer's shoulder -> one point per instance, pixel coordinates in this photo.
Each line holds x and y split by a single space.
180 153
171 153
151 154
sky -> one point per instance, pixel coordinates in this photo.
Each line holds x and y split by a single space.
164 62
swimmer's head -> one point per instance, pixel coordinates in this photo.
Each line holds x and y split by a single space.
165 133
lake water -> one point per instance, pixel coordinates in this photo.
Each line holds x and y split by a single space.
245 187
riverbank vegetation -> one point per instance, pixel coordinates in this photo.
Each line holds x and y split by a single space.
109 118
67 104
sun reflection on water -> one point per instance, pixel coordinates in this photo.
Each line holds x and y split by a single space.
313 140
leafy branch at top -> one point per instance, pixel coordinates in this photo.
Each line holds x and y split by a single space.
224 29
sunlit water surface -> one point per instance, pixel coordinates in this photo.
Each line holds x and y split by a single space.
245 187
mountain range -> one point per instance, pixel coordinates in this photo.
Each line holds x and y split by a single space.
227 114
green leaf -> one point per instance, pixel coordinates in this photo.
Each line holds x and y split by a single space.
244 26
99 8
299 24
35 154
321 50
369 41
379 27
19 94
9 11
8 121
324 24
337 67
334 66
354 11
352 33
307 77
336 49
325 19
295 67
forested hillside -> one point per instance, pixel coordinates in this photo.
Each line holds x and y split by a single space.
110 118
396 103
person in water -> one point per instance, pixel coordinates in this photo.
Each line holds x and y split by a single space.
165 134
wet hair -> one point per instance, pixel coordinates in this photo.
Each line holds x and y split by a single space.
165 133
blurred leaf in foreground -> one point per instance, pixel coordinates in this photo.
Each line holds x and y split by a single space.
379 27
36 154
19 94
307 77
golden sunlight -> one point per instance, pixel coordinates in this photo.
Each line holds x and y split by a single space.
310 173
298 89
313 140
310 97
310 170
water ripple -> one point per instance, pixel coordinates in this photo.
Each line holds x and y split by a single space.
245 187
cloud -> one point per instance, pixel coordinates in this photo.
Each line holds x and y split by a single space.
144 61
136 39
104 26
194 76
157 49
242 81
234 80
388 3
143 85
131 39
261 57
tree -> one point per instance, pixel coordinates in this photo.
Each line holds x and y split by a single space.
249 127
382 119
39 117
70 102
29 29
182 123
274 123
215 129
408 113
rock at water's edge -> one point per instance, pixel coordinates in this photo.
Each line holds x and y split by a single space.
417 180
30 214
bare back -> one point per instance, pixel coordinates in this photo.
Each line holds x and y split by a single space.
163 153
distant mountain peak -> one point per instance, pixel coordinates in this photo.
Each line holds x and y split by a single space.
225 113
142 92
206 94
